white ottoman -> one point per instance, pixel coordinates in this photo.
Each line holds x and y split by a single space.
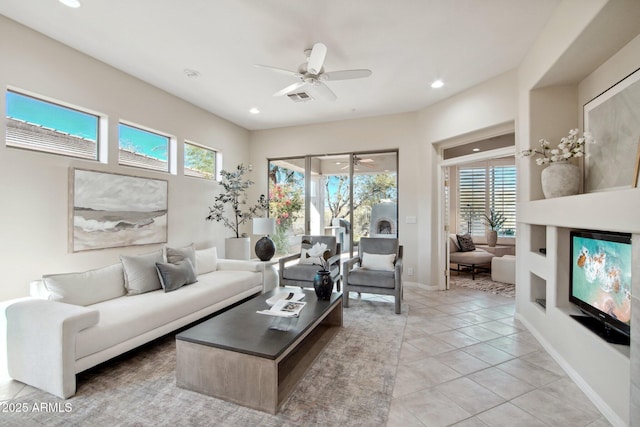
503 269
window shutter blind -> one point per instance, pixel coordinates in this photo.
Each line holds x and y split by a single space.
482 187
472 196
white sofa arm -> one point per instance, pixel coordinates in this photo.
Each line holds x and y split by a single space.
241 265
41 343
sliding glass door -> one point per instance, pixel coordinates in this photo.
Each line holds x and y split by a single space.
287 203
350 195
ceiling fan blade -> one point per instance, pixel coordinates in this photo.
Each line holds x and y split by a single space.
323 91
346 74
289 88
316 58
279 70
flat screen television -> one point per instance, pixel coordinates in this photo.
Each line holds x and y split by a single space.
600 283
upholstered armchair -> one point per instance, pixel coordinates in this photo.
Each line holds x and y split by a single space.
377 270
302 273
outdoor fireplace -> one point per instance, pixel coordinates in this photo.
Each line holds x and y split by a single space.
384 220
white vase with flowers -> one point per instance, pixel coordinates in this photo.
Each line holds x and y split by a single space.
560 177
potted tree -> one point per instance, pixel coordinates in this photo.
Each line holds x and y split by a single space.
495 221
230 208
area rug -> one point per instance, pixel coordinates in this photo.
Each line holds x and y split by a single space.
350 384
483 283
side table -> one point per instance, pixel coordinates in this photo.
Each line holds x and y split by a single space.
270 274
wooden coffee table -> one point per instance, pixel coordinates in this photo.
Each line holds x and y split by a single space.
238 356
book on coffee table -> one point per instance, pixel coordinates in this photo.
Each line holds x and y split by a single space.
284 308
291 296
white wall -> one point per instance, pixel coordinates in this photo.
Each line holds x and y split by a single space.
34 187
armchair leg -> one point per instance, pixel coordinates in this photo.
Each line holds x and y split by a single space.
345 299
398 305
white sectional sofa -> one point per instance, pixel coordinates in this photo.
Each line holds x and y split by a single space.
76 321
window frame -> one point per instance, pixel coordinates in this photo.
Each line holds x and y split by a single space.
171 150
216 158
99 155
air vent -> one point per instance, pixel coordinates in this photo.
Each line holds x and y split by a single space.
299 97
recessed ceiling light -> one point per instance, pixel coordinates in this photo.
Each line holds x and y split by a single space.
254 110
475 150
193 74
437 84
71 3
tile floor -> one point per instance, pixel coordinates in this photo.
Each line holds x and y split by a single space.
466 361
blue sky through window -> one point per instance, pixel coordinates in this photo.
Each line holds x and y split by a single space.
52 116
143 142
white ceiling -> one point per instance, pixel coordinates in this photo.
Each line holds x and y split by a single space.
406 43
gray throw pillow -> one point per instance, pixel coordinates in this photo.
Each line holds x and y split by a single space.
140 273
174 255
174 276
466 243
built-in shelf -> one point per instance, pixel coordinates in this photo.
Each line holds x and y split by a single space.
538 239
538 291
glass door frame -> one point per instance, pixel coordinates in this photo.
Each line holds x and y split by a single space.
353 156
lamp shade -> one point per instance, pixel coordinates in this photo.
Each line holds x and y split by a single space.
264 226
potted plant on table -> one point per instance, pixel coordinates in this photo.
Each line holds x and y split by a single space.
229 208
495 221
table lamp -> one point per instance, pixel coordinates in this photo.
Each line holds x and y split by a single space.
265 248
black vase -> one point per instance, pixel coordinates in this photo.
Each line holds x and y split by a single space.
323 285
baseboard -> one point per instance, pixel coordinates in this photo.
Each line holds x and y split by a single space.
591 394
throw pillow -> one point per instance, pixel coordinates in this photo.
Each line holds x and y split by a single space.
465 242
174 276
86 288
206 260
175 255
382 262
140 274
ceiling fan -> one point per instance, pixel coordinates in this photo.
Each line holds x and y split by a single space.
359 161
311 74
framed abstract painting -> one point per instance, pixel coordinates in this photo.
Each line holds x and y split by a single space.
109 210
613 118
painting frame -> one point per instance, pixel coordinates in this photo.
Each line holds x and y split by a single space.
613 119
111 210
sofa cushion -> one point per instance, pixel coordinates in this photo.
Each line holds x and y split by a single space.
88 287
140 274
206 260
465 243
125 318
174 276
382 262
174 255
477 257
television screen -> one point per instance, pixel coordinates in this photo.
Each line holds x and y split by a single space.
601 276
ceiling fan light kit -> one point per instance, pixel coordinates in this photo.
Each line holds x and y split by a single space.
311 74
